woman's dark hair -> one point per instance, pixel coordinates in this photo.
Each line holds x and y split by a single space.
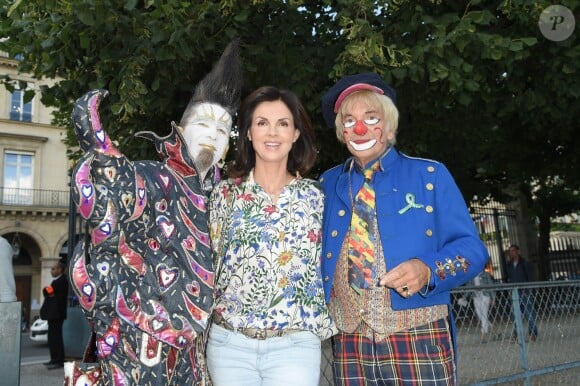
303 153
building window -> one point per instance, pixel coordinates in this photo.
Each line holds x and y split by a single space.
18 178
20 111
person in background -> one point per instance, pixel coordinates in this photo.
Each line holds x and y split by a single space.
519 270
270 315
7 284
397 237
53 310
483 300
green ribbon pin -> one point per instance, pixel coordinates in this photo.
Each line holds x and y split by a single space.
410 198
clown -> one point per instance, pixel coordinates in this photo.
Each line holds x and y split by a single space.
397 238
143 275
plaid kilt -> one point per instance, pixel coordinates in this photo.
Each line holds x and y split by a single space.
419 356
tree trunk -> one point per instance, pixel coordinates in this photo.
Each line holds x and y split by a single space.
544 244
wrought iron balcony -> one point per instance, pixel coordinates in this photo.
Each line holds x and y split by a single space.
33 199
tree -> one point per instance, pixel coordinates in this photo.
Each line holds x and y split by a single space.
483 91
479 87
151 54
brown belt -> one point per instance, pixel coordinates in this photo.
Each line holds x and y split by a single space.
252 333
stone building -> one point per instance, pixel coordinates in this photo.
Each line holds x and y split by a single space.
34 190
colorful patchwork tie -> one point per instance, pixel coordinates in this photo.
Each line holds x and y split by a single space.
361 244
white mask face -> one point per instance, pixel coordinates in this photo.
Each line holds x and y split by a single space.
206 130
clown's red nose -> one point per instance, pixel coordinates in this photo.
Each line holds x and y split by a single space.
360 128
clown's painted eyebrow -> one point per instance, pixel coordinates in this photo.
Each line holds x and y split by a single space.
207 110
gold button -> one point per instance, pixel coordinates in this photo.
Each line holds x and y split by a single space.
429 186
429 209
329 255
429 232
334 233
326 278
341 212
430 169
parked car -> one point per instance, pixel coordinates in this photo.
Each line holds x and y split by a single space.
39 331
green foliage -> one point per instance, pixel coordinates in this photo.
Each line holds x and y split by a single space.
565 227
479 87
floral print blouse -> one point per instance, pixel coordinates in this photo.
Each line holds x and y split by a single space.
267 256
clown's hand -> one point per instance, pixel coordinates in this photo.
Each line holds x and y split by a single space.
462 302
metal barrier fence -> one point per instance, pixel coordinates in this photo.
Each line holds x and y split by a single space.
497 227
509 354
564 265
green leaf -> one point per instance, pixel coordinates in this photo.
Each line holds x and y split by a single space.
471 85
496 54
28 95
438 71
86 16
455 81
461 43
568 69
117 108
516 45
529 41
130 5
399 73
463 99
84 41
241 17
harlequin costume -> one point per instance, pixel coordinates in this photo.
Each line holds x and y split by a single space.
143 276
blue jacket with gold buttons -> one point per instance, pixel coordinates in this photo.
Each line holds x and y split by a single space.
420 213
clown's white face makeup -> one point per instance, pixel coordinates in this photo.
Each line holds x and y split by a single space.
206 130
365 134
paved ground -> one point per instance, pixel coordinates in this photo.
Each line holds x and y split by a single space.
37 374
477 361
32 371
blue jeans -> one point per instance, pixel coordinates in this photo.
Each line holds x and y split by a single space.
528 312
235 360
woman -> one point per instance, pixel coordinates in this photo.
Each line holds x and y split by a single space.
483 300
269 315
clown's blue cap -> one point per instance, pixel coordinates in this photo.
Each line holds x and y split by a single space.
334 97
